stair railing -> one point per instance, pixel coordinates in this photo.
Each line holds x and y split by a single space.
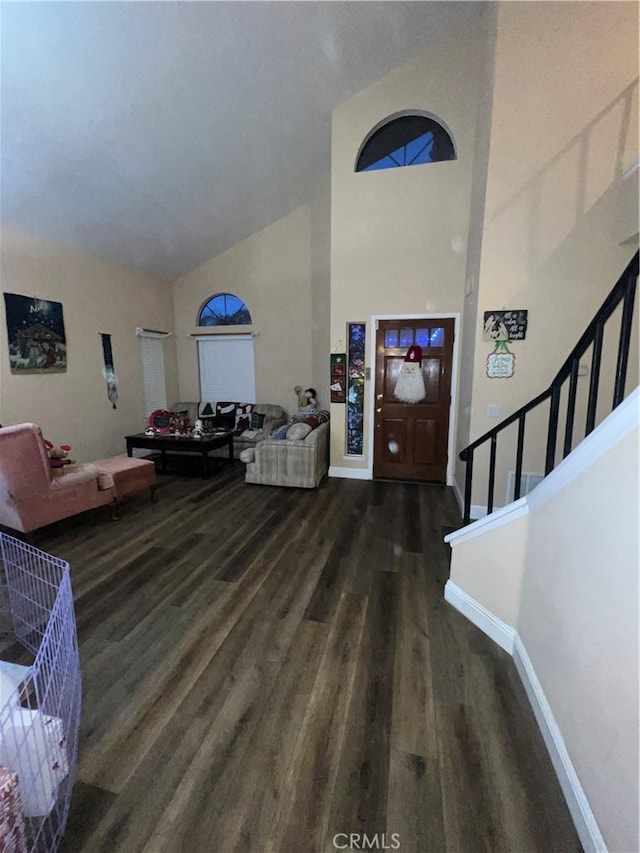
624 291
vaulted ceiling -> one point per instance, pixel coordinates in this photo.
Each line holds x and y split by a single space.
156 135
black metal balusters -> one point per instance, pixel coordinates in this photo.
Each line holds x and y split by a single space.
624 291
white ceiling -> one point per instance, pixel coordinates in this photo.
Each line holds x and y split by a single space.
156 135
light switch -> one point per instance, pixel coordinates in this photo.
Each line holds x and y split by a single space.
494 410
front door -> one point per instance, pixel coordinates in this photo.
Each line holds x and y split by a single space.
411 438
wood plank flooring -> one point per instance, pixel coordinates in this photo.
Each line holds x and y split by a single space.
265 668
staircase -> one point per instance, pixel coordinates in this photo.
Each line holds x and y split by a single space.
565 384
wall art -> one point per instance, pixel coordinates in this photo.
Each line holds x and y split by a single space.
109 369
35 332
505 325
338 382
501 362
355 388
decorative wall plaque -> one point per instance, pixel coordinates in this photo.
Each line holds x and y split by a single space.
501 362
505 325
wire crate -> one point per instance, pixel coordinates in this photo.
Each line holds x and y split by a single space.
40 694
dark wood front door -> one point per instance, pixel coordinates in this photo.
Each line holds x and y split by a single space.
411 438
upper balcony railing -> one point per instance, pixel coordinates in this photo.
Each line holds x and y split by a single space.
624 291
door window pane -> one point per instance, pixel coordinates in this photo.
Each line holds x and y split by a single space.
422 337
406 337
436 337
391 337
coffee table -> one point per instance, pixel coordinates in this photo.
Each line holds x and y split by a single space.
181 444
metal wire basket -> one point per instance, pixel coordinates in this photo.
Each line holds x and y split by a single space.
40 695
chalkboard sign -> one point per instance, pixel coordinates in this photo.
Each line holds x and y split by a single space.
505 326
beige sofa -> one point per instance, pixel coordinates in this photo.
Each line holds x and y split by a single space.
299 462
274 416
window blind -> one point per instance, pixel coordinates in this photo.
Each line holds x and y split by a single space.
154 387
227 369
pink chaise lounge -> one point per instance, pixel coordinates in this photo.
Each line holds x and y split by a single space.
32 497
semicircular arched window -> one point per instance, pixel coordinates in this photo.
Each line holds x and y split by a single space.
224 309
407 140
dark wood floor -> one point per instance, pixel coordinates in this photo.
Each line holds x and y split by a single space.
265 668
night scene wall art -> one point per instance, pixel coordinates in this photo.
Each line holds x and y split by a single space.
355 388
35 331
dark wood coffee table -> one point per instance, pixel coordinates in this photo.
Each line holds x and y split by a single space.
181 444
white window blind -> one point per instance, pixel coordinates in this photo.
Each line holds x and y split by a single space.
227 369
154 388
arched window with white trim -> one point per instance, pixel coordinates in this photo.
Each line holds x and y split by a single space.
406 140
224 309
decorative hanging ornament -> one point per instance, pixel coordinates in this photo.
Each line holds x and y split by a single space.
109 370
501 362
410 383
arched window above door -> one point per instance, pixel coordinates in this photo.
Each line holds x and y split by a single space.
224 309
406 140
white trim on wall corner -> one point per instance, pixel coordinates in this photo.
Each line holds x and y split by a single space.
457 492
503 515
499 631
583 817
349 473
508 638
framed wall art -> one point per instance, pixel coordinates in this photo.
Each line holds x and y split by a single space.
35 333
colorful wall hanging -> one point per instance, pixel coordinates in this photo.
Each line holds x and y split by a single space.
355 389
338 385
35 332
501 362
109 370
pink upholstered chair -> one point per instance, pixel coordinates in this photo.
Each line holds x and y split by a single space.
30 495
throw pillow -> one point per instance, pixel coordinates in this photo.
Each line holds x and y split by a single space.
298 431
243 417
257 420
225 408
207 411
281 433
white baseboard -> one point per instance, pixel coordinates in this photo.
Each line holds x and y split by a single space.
477 511
508 639
349 473
577 802
458 494
499 631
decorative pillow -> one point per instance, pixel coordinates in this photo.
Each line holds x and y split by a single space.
207 411
298 431
323 415
281 433
243 417
225 408
257 420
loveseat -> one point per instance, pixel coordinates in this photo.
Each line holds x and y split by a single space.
301 462
249 422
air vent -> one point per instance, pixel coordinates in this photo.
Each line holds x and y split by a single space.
528 482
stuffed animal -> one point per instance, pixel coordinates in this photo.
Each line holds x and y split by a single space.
58 454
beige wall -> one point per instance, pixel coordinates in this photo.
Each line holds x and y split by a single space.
72 407
271 272
398 236
489 568
564 129
565 576
474 240
578 621
321 294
